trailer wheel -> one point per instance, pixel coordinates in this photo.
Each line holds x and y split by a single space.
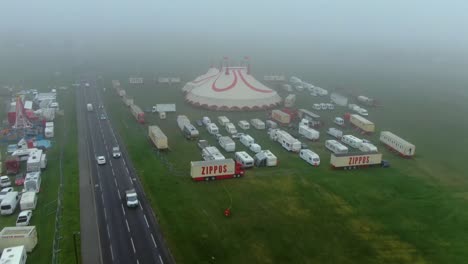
213 178
207 178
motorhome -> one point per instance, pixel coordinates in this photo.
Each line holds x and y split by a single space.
308 132
339 121
28 201
286 140
335 132
336 147
222 120
212 128
245 159
247 140
310 157
227 144
243 124
9 203
230 128
206 120
34 161
190 132
351 141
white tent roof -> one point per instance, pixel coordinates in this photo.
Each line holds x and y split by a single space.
236 90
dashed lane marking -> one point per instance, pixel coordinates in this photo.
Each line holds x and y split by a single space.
133 245
128 227
146 220
160 259
123 211
154 241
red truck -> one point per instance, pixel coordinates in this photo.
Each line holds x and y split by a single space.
215 170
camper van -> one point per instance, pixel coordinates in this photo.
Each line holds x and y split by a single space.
257 123
265 159
336 147
230 128
245 159
308 132
32 182
206 120
310 157
271 124
190 132
222 120
286 140
212 128
335 132
339 121
227 144
9 203
14 255
243 124
247 140
28 201
351 141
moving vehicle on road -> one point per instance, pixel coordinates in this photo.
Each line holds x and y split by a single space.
116 152
132 198
101 160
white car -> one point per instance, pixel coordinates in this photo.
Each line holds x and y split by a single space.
23 218
101 160
116 152
5 181
4 192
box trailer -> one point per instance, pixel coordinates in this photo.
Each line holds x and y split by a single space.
89 107
34 161
244 159
309 133
354 161
158 138
17 236
215 170
395 143
212 153
32 181
362 124
227 144
290 100
351 141
281 117
336 147
265 159
182 120
257 123
28 201
14 255
222 120
137 113
243 124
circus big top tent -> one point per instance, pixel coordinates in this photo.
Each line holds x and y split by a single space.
231 89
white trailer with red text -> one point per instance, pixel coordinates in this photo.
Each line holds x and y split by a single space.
355 161
215 170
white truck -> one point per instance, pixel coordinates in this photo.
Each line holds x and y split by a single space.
310 157
14 255
32 181
34 161
190 132
28 201
215 170
212 128
368 147
132 198
290 100
89 107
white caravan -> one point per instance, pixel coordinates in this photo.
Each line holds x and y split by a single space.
310 157
336 147
245 159
351 141
247 140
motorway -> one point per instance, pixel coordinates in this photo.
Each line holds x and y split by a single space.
126 235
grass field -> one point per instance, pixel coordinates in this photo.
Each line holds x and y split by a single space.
44 215
413 212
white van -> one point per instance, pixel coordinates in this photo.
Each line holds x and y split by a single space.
28 201
351 141
9 203
339 121
5 181
335 132
247 140
245 159
310 157
317 107
222 120
244 124
362 112
212 128
230 128
336 147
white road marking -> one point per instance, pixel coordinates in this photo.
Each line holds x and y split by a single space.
138 262
108 233
126 168
140 206
154 241
160 259
124 162
130 179
122 209
115 181
112 253
102 198
133 245
128 227
113 173
118 192
146 220
105 214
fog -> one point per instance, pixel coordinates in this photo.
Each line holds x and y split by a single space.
278 35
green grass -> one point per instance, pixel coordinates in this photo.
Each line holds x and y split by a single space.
44 214
414 212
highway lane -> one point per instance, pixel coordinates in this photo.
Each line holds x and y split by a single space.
128 235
